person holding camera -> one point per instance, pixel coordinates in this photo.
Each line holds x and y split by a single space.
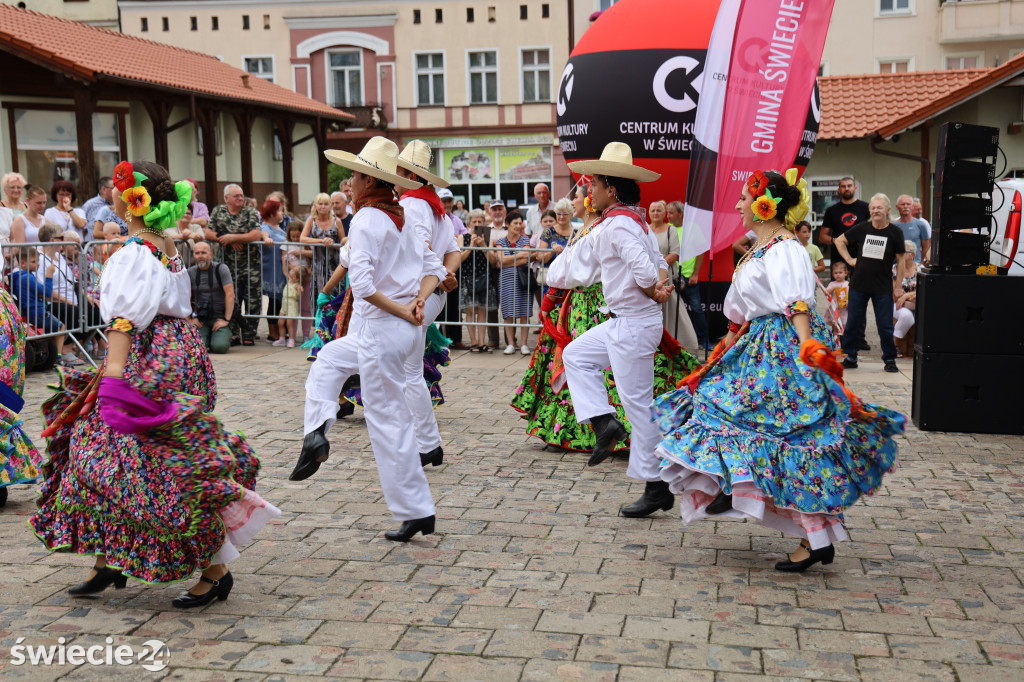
213 299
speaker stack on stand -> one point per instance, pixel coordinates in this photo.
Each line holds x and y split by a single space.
969 342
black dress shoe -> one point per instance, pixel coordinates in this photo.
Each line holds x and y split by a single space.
849 363
864 345
656 496
3 496
410 528
345 409
721 504
104 578
825 555
891 367
315 451
435 457
609 431
220 590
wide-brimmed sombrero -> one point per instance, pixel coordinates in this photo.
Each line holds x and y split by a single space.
378 158
416 158
616 161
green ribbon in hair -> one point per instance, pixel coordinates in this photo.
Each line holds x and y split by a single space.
167 213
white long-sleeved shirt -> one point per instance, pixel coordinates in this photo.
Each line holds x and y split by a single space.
438 232
629 261
770 283
136 286
386 260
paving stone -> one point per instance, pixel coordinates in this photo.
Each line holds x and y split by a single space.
810 664
497 617
513 643
758 636
623 650
414 613
445 640
543 670
902 670
271 630
718 657
291 660
856 643
382 665
350 635
447 668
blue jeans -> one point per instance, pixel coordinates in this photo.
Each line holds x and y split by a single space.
857 319
690 293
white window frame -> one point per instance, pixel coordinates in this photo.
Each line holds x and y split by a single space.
328 74
522 72
910 11
273 66
416 77
908 59
980 56
470 72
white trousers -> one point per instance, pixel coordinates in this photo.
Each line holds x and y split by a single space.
428 436
334 364
628 345
904 321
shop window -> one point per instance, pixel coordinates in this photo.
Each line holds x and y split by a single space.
469 15
415 16
47 144
346 78
430 79
245 22
260 66
144 24
536 68
483 77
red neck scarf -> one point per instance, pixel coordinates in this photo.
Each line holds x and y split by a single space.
635 213
383 200
427 193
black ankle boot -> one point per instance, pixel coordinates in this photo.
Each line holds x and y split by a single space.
435 457
825 555
721 504
315 451
609 431
656 496
104 578
220 589
345 409
410 528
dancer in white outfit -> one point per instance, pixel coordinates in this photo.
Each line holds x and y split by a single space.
424 212
634 276
391 274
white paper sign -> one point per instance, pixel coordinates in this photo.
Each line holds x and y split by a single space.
874 247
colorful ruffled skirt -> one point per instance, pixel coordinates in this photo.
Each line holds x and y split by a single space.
162 504
435 356
777 434
20 462
548 413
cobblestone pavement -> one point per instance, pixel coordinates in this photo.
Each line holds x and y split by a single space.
533 576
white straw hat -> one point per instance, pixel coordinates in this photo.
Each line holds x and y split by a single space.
616 161
379 159
416 158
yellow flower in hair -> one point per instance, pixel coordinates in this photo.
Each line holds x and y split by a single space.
765 207
137 200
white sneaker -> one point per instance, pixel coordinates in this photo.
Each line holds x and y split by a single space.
510 349
525 350
279 342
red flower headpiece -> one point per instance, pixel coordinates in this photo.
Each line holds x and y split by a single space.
757 183
124 176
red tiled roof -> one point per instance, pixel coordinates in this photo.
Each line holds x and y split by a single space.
92 54
884 105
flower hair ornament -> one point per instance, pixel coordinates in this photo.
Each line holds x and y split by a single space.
138 203
766 206
589 199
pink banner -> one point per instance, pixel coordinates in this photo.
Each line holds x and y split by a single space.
777 48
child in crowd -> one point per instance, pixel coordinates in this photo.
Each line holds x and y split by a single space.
32 297
292 255
290 306
839 297
803 233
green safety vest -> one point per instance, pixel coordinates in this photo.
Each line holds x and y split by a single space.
686 266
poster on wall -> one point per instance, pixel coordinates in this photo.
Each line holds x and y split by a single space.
469 165
524 164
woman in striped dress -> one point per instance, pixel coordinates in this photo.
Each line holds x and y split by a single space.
516 300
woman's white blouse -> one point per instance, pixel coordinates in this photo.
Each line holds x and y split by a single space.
135 285
771 283
577 265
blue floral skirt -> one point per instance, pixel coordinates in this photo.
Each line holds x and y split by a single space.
775 433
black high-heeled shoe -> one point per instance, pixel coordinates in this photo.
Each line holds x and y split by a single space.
721 504
410 528
435 457
345 409
3 496
220 590
315 451
609 431
104 578
825 555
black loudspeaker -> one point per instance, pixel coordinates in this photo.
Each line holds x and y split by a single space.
969 353
964 177
967 393
977 314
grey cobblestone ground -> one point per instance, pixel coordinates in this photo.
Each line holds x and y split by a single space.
533 576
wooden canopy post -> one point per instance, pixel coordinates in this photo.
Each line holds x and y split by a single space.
85 103
208 124
244 123
320 131
285 128
159 113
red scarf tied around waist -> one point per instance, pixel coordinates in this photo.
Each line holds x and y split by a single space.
427 193
384 200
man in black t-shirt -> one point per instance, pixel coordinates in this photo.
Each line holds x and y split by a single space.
872 247
842 215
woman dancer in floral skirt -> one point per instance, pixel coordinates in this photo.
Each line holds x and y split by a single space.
571 307
767 430
142 475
